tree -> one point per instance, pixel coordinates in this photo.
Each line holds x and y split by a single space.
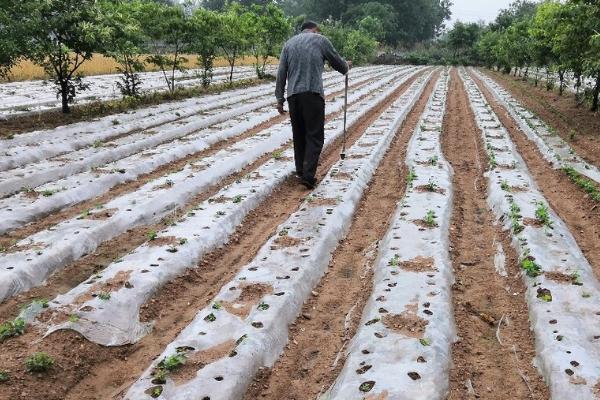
13 35
168 30
385 14
205 27
463 37
233 34
63 35
267 29
126 43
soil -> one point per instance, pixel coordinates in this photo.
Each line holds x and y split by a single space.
482 299
330 318
560 112
418 264
580 213
407 323
85 371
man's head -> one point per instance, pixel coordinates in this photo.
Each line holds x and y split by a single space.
310 26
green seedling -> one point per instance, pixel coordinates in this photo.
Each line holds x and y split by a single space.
576 279
431 186
47 193
263 306
172 249
412 175
73 318
515 217
115 122
39 362
173 362
283 232
12 328
425 342
395 261
532 269
366 386
97 144
544 295
433 161
238 199
505 186
210 318
217 305
492 160
4 377
183 241
587 185
220 213
542 214
277 154
152 235
41 302
430 218
104 296
156 392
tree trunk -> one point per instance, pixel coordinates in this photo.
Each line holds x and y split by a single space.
64 95
596 93
561 88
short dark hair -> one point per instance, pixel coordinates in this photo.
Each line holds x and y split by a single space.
308 25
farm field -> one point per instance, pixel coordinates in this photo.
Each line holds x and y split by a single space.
28 97
171 253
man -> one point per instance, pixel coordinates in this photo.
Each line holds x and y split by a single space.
301 64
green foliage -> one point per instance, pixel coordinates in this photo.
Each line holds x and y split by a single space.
205 41
587 185
430 218
172 362
12 328
542 214
353 44
39 362
4 376
532 269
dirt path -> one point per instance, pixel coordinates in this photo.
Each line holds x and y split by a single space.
483 300
560 112
88 371
573 206
330 319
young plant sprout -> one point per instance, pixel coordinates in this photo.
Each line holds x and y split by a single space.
542 214
12 328
39 362
431 185
430 218
412 175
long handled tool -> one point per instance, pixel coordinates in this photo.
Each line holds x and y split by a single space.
343 153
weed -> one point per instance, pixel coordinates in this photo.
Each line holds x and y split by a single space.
4 377
542 214
12 328
104 296
412 175
152 235
430 218
532 269
39 362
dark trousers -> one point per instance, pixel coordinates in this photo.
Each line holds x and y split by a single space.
307 112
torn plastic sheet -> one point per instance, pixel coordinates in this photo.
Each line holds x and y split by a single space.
253 331
51 249
402 347
564 297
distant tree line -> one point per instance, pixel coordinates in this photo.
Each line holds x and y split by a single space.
554 39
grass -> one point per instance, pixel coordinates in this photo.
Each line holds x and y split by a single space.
101 65
39 362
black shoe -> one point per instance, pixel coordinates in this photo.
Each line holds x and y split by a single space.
309 183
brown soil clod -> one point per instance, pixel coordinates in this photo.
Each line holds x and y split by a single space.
407 323
199 360
250 294
418 264
163 241
286 241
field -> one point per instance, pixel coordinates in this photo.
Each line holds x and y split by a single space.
170 252
102 65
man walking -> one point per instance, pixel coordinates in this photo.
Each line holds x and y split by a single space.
301 64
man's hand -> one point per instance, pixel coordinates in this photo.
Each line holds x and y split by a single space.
280 108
